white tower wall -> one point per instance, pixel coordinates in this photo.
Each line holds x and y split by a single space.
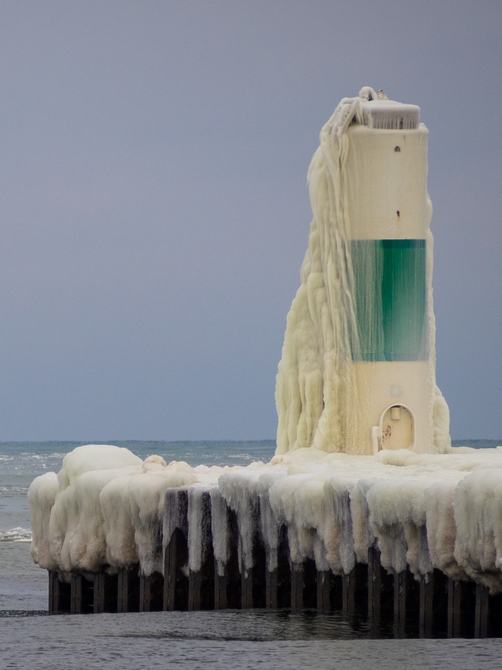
387 199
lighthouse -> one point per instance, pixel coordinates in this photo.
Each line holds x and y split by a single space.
357 373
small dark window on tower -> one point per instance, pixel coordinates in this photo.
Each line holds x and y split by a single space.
397 148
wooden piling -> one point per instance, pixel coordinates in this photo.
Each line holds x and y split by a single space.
151 591
454 588
355 590
82 593
425 617
374 583
304 586
481 612
59 593
271 587
297 587
105 593
272 559
225 539
229 589
201 583
254 577
348 593
400 600
128 589
461 608
279 582
176 552
324 587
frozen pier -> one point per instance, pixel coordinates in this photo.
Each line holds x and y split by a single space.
412 541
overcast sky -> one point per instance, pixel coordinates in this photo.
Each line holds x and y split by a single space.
154 210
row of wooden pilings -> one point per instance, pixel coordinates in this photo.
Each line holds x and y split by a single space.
397 604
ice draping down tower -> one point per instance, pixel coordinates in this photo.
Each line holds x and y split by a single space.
357 372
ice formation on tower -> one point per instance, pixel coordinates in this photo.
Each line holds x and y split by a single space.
357 372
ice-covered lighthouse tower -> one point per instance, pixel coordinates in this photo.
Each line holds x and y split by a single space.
357 373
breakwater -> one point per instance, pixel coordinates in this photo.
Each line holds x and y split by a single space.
410 541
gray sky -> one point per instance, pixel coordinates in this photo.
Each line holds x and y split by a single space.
155 213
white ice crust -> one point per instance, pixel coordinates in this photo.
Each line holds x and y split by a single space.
422 511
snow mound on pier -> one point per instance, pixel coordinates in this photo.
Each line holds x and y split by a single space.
103 508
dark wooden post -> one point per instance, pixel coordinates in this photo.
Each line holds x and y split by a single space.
271 586
82 593
105 595
426 605
399 602
99 593
406 603
201 583
225 535
253 578
304 585
271 530
348 593
151 591
220 590
76 594
324 588
374 583
53 604
232 573
176 550
59 593
128 589
454 594
380 591
461 608
279 580
355 590
481 613
194 591
329 591
297 586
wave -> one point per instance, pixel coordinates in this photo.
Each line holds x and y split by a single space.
6 491
16 535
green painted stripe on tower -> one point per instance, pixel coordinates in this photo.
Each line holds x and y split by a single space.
390 300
